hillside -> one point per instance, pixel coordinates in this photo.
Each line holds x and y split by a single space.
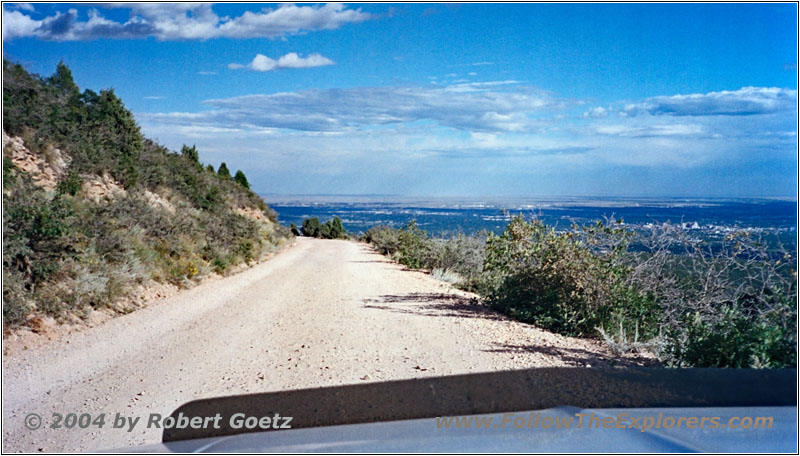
94 211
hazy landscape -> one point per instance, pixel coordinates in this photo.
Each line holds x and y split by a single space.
443 216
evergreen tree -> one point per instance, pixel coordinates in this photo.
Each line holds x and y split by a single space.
337 230
115 130
63 82
311 227
241 179
22 99
223 170
190 153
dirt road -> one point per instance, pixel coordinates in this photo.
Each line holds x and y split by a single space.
321 313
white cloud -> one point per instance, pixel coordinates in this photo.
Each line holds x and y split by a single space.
743 102
180 21
485 106
650 130
291 19
17 25
21 6
501 127
290 60
598 111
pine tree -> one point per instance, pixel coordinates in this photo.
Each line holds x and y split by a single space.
190 153
311 227
337 229
241 179
223 170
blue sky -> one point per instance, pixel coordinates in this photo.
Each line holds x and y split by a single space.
448 99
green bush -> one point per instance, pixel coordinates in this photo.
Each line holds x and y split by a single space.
71 184
463 255
411 246
311 227
9 172
732 339
386 240
566 282
415 246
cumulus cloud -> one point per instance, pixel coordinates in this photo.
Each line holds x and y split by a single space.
17 24
290 60
743 102
180 21
489 106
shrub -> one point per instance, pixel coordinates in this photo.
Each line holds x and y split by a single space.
460 254
571 283
9 172
386 240
16 304
414 246
732 339
311 227
728 304
71 184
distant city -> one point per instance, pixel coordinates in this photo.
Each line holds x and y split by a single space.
445 216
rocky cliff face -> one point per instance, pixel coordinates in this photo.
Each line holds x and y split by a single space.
45 170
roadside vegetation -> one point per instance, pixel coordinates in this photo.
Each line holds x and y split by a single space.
690 302
123 210
332 229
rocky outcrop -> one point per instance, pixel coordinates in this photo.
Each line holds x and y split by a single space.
250 212
98 188
44 169
159 202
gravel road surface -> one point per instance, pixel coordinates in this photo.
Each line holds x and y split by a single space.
321 313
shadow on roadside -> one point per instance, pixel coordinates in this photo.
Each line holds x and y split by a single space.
434 305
